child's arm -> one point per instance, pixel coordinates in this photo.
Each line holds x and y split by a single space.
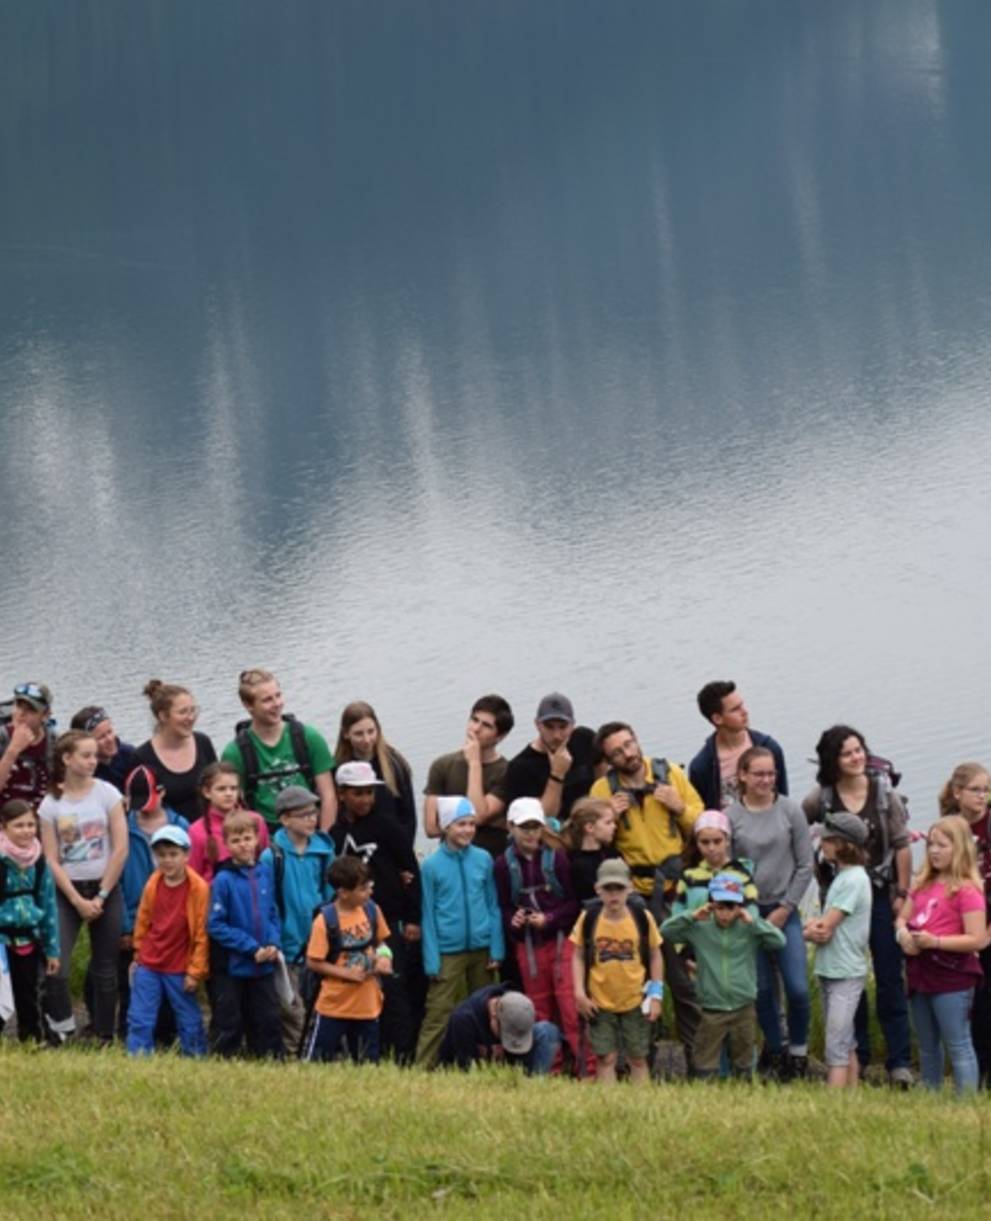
497 942
218 923
584 1003
383 954
142 921
198 967
656 985
821 930
766 934
48 925
681 927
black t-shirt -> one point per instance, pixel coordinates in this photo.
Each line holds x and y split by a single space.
182 789
382 844
526 775
584 867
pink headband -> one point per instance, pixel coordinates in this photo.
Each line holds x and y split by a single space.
712 820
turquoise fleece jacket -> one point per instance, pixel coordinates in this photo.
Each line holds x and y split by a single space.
460 905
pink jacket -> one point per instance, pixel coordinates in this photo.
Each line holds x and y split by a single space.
199 834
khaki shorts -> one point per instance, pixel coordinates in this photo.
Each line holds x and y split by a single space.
629 1032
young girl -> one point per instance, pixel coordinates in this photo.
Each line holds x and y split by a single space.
361 740
966 793
220 794
711 855
588 836
28 921
84 835
842 935
941 928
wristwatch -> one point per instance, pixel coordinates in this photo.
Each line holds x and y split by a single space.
103 895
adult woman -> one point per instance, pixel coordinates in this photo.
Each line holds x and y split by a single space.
966 793
941 928
175 752
84 835
361 739
845 783
771 831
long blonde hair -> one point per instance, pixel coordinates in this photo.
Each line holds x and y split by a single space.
963 857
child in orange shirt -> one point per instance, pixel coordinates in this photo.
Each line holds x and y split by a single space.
347 949
170 947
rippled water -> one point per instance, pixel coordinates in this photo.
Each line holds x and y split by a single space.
423 350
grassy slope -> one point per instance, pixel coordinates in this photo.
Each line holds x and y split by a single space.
97 1135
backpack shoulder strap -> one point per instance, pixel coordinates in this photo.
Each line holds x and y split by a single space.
661 769
278 875
515 873
333 925
249 757
593 908
39 879
372 915
549 870
639 913
297 736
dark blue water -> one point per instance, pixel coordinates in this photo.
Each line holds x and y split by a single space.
422 349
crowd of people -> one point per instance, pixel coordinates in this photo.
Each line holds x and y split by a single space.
573 886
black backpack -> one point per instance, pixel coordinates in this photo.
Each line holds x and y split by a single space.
249 756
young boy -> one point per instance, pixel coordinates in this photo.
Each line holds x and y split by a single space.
539 909
462 925
375 836
244 944
725 937
347 949
170 947
300 857
618 973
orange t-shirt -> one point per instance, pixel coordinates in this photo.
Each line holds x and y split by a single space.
340 998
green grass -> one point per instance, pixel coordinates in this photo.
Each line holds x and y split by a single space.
96 1135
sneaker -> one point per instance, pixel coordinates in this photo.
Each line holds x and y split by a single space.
798 1067
901 1078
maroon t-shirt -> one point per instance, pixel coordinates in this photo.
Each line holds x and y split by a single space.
982 841
28 779
165 946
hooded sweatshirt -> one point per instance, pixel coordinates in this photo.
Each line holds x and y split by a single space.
301 887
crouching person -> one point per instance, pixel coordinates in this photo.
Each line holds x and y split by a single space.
496 1024
170 947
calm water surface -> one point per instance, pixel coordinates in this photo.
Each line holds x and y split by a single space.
419 350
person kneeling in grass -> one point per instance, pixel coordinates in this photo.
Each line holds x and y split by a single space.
498 1024
725 936
618 973
170 947
842 939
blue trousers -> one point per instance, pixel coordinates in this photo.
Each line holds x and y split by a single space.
792 961
942 1024
358 1037
538 1060
891 1001
148 990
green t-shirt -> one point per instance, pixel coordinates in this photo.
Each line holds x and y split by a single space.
277 766
844 956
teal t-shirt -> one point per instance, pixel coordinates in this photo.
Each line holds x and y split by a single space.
844 956
277 766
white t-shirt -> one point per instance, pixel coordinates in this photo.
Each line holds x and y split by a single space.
82 829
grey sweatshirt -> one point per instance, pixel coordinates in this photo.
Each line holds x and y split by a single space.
777 841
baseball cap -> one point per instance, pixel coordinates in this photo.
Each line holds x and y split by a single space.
171 834
140 788
613 873
524 810
38 695
516 1019
356 775
450 809
843 825
725 888
294 797
556 707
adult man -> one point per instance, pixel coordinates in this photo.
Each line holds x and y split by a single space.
26 745
115 760
496 1023
555 767
473 772
655 808
273 751
713 770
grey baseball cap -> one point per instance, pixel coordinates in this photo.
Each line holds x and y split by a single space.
556 707
516 1018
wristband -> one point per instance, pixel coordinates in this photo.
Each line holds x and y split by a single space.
103 895
384 951
653 990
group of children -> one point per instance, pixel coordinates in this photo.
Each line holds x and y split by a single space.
297 957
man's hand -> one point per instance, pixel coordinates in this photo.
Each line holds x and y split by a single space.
669 796
619 803
560 761
21 737
472 750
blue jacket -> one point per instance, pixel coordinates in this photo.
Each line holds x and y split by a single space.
140 865
703 771
301 887
460 905
243 918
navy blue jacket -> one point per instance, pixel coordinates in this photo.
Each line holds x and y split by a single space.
243 918
703 771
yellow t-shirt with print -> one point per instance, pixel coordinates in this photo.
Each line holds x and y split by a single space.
615 974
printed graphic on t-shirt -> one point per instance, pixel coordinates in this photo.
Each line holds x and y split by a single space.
615 949
364 851
80 840
356 946
729 791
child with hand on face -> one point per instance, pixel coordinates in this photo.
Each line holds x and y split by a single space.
171 951
533 882
725 937
244 944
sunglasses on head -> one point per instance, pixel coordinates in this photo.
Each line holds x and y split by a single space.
30 691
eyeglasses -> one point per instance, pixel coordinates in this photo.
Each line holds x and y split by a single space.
302 813
981 789
763 775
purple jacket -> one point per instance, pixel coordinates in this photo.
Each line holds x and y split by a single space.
540 884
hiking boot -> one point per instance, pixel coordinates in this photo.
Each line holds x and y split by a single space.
901 1078
798 1067
773 1066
